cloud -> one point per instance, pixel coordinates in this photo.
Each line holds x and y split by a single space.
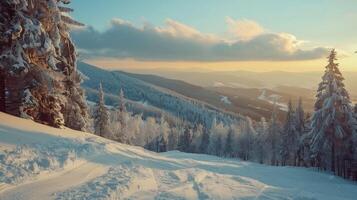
179 30
244 29
176 41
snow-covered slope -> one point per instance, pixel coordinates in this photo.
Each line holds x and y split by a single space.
39 162
175 98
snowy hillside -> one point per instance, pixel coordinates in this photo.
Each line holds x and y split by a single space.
39 162
176 103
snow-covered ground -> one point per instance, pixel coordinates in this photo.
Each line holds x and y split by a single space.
39 162
273 99
225 100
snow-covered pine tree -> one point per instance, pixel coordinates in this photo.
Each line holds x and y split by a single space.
122 108
204 140
290 138
186 139
302 127
134 126
197 138
101 116
217 137
246 139
122 114
353 173
300 117
218 146
151 133
38 60
259 142
273 138
228 147
304 152
76 110
332 123
173 139
164 134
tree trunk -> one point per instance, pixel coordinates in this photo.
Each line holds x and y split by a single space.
14 96
2 91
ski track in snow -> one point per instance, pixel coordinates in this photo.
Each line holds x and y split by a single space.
53 183
39 162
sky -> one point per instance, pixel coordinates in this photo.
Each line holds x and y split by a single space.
216 35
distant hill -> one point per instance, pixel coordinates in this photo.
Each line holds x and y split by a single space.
243 100
243 87
144 89
274 80
184 88
146 94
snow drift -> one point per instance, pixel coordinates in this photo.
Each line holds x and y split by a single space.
40 162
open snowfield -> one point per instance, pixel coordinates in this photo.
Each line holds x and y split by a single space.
40 162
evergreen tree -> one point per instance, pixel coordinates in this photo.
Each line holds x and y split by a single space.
76 110
300 117
122 114
122 108
228 148
186 139
259 144
164 133
173 139
304 150
332 123
204 140
302 127
246 139
151 134
101 116
37 59
290 136
273 138
353 174
197 138
218 134
218 146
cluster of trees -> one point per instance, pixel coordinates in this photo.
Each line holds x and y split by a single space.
327 140
118 124
246 139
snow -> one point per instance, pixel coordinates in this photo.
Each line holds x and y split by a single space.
225 100
273 99
218 84
40 162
